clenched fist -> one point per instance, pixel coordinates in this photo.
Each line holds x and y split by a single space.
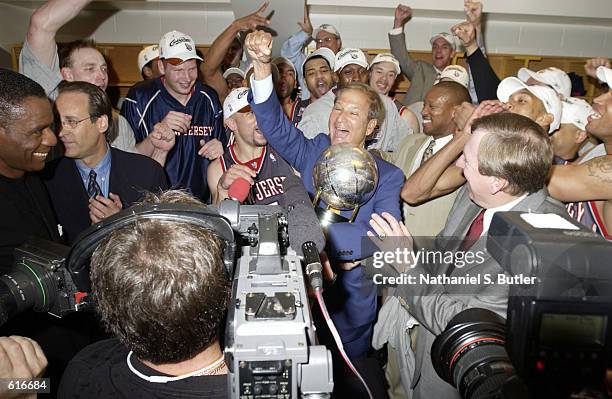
402 13
259 46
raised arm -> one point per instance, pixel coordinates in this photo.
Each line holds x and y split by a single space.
591 180
438 175
282 135
46 21
293 47
484 77
211 71
397 41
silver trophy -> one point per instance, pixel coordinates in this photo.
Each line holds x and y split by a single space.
344 177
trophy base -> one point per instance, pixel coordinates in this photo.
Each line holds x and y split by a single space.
327 217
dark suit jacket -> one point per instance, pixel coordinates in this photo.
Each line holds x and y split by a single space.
435 305
23 217
130 176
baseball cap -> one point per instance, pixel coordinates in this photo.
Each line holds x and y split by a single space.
175 44
576 111
236 101
284 60
386 57
605 75
324 52
446 36
454 73
553 77
233 70
147 54
547 95
327 28
348 56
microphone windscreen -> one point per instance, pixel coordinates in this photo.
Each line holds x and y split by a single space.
302 220
239 189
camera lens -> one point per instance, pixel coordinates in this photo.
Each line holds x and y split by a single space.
28 286
470 354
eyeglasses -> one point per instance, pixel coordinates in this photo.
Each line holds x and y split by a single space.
326 40
71 123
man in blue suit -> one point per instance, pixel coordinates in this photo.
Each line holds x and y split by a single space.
356 113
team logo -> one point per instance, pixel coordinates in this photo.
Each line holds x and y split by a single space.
179 40
242 93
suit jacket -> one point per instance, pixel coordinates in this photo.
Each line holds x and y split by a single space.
428 219
130 176
435 305
420 73
344 240
22 217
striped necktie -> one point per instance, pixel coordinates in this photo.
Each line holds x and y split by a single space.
93 188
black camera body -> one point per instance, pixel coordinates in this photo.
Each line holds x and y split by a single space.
557 338
40 281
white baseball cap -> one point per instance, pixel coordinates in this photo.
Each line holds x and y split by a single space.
348 56
147 54
175 44
386 57
446 36
547 95
605 75
327 28
324 52
284 60
576 111
553 77
233 71
455 73
236 101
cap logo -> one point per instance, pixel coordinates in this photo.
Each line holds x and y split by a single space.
188 47
179 40
353 53
242 93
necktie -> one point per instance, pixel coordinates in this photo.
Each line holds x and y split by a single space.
428 151
93 189
473 234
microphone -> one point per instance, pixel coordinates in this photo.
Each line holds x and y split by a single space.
305 232
239 190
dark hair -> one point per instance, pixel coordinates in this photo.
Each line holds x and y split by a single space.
316 57
516 149
458 93
66 50
15 88
99 103
160 285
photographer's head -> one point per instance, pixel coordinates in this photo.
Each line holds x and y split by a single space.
507 156
170 280
25 125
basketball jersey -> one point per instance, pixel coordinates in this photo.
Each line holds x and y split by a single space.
271 171
298 110
586 211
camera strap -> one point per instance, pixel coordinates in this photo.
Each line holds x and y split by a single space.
215 368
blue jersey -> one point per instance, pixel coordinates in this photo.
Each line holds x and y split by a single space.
149 102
